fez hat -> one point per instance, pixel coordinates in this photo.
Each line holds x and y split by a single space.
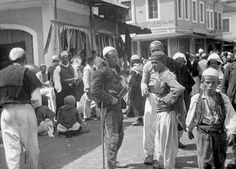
16 53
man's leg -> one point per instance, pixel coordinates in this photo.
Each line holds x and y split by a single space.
29 137
149 129
11 140
205 150
219 149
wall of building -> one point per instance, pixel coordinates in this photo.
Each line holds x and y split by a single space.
232 34
166 19
29 20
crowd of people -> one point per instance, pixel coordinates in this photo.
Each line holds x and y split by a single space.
168 95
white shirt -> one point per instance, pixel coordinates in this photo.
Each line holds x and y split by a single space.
230 120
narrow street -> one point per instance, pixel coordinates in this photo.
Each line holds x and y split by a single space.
85 151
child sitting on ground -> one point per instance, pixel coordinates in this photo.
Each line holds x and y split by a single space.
215 119
69 120
45 118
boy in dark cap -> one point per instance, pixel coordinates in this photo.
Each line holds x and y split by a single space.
69 120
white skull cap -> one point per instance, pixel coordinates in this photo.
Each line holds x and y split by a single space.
107 49
135 57
200 50
179 55
16 53
210 72
55 57
64 53
215 57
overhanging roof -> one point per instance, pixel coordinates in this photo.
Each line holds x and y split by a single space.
123 27
152 36
107 2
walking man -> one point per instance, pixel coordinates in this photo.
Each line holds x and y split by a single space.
106 87
19 95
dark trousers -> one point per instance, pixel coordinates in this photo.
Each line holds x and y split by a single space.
114 133
212 147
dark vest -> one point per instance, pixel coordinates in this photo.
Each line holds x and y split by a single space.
219 109
11 85
66 73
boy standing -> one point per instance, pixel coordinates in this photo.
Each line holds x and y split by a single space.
213 115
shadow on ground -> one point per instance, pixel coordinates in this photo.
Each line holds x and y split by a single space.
186 161
60 150
139 166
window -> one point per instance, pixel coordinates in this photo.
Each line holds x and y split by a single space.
226 25
208 19
194 7
202 12
153 9
129 15
219 17
186 9
212 19
180 9
216 20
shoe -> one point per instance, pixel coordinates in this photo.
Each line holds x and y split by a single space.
138 122
148 160
158 166
181 146
119 165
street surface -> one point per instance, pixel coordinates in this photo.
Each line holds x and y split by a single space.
85 151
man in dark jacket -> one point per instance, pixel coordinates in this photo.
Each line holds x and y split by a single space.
19 95
106 87
229 88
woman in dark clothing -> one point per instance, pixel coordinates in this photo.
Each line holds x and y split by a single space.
136 101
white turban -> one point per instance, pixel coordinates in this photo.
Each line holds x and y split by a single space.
107 49
16 53
179 55
64 53
55 57
215 57
200 50
210 72
135 57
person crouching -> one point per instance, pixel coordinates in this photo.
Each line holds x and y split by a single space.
69 120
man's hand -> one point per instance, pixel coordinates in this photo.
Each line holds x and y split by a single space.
231 139
190 135
146 93
114 101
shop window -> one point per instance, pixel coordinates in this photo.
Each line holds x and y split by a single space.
103 40
153 9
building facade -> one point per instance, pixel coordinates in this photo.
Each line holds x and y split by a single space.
181 25
229 24
46 27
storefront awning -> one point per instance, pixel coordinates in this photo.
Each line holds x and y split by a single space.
153 36
107 2
123 27
225 40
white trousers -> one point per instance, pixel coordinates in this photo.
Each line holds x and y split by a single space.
149 128
166 139
19 128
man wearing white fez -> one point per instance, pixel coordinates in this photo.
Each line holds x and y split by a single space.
215 118
106 87
19 95
148 81
64 79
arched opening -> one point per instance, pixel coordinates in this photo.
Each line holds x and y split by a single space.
10 38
